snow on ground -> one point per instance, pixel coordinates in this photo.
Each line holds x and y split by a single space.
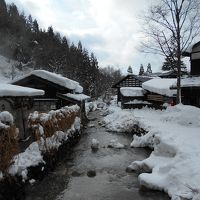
174 136
8 69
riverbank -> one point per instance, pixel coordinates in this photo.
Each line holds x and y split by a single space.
173 134
95 174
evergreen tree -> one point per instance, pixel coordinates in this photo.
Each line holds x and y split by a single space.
130 71
141 72
149 71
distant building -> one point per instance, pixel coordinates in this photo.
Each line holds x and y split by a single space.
130 81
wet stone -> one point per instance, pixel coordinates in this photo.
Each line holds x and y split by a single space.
76 174
91 173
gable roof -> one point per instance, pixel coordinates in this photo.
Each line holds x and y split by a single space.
141 79
54 78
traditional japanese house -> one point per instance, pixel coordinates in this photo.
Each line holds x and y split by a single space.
19 102
130 81
190 86
54 85
159 91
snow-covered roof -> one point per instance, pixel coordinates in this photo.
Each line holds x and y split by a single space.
132 91
14 90
78 97
160 86
55 78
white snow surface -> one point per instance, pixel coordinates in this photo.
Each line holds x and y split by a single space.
78 97
18 91
174 135
160 86
55 78
132 91
95 144
115 144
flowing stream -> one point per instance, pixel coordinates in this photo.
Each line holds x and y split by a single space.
95 175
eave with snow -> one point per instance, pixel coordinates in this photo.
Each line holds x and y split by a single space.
18 101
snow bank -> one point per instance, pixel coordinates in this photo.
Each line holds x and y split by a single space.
173 134
160 86
175 160
119 121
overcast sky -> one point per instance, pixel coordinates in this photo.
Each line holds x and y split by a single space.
109 28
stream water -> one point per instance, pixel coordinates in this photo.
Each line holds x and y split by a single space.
71 180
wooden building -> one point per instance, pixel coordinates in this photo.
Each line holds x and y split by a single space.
190 87
159 91
129 81
54 86
19 102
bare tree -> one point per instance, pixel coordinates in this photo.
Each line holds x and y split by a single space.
171 26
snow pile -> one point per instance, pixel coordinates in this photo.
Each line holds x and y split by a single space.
160 86
6 117
132 91
55 78
14 90
119 121
115 144
31 157
95 144
190 81
173 134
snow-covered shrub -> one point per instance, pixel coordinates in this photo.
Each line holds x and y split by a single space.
6 117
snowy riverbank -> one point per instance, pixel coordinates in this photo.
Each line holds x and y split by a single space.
174 135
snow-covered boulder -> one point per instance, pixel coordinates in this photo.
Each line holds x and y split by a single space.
6 117
95 144
115 144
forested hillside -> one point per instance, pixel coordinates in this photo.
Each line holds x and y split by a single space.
22 39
